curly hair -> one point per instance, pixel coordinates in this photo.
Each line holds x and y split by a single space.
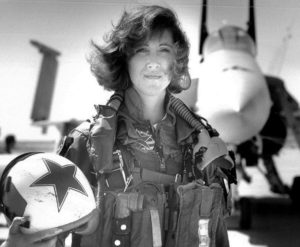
109 62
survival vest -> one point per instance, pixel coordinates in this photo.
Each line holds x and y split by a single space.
154 209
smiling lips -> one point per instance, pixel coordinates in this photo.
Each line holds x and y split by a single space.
153 76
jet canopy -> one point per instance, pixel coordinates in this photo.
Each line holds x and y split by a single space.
229 38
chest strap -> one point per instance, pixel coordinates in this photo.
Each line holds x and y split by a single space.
143 174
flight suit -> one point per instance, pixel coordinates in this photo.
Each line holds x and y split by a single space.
121 153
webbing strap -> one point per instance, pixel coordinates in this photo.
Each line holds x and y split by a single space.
206 203
144 174
156 229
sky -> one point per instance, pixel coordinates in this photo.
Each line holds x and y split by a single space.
69 25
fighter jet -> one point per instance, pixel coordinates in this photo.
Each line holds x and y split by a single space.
251 111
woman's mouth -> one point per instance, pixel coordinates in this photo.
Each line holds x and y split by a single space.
153 77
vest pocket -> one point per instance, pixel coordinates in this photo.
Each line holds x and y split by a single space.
201 218
148 224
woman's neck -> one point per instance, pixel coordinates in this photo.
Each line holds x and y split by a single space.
153 107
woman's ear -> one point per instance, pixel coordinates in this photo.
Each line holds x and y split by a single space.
185 81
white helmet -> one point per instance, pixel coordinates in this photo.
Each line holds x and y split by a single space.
51 190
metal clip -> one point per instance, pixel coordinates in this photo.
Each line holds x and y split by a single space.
118 152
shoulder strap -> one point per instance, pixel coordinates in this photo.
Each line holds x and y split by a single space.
102 137
103 132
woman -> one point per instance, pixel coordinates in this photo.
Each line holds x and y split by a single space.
139 148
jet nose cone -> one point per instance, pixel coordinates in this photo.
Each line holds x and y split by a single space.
235 100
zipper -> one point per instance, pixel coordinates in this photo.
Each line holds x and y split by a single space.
158 148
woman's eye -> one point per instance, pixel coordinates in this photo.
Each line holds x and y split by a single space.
141 50
166 49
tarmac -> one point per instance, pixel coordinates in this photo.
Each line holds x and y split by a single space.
275 223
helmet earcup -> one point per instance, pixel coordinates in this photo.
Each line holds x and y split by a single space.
5 184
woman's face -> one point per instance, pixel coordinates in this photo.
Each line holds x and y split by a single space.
150 67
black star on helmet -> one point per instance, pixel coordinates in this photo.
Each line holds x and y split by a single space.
62 179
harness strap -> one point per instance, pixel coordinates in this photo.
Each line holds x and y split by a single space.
144 174
206 205
121 232
156 229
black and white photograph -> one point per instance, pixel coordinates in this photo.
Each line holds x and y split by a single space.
147 123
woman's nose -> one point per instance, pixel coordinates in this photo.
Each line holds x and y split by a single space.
153 65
